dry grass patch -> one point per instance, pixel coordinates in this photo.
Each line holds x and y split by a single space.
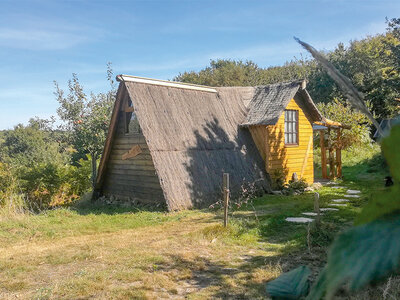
187 255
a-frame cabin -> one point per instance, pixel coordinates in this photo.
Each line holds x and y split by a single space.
170 142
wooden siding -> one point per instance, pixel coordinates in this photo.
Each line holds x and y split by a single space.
134 178
259 134
286 159
290 159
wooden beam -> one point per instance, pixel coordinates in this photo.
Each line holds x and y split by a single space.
226 197
330 123
339 154
267 153
180 85
111 131
303 168
331 159
129 109
135 150
323 154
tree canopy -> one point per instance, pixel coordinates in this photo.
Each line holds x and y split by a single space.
372 64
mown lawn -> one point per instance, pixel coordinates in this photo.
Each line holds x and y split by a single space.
99 252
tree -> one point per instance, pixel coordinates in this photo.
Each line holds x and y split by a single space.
31 144
340 111
86 118
372 64
226 72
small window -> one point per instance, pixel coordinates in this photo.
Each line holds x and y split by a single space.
291 127
131 121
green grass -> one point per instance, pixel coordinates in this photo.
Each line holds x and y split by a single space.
101 252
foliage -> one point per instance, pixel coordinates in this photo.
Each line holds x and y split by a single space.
388 202
359 132
226 72
369 252
299 184
86 118
291 285
5 177
35 164
372 64
51 184
361 255
279 178
30 144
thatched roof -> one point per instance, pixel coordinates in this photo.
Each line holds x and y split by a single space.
193 137
270 101
194 134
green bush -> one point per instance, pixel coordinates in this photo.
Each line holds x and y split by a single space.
300 184
52 184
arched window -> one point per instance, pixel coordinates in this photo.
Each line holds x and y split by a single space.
131 122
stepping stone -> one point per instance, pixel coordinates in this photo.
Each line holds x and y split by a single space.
311 214
338 204
328 209
299 220
330 183
353 192
338 187
340 200
352 196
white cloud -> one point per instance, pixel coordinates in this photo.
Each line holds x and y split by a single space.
33 33
39 39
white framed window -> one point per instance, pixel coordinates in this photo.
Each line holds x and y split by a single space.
291 127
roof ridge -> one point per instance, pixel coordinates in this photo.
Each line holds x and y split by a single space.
160 82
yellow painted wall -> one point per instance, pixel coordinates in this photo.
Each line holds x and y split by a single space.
278 158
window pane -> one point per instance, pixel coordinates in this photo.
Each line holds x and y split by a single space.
133 124
290 129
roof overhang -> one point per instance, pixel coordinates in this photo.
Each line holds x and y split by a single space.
331 124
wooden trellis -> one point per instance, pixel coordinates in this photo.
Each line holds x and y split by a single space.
334 157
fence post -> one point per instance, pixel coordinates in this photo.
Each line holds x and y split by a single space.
226 197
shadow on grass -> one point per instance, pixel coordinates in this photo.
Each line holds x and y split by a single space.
86 207
218 280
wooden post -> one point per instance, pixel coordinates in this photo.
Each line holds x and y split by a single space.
316 207
323 154
331 159
339 154
226 197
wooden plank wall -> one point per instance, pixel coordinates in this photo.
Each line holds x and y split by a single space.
133 178
270 141
259 135
290 159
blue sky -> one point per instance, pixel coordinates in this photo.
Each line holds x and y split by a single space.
43 41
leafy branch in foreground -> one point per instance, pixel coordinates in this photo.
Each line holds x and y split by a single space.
353 95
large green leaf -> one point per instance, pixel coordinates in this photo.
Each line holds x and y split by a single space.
359 256
391 151
290 285
389 201
380 205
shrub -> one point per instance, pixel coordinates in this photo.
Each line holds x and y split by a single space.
340 111
53 184
300 184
